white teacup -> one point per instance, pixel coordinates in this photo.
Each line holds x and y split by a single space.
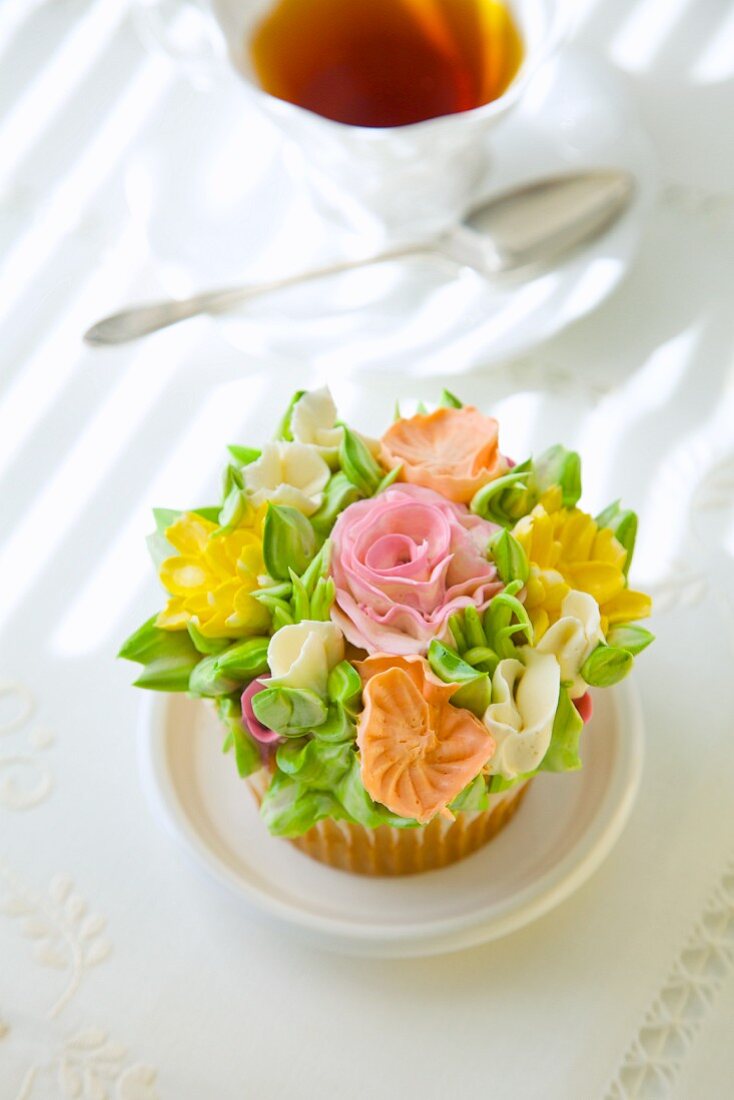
393 183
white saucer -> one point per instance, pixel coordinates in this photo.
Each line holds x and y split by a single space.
562 832
221 203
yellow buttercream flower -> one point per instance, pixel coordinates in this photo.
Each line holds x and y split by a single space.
211 579
568 550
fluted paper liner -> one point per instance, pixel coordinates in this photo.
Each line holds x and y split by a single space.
390 851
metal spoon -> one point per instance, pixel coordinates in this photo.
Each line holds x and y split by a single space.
528 227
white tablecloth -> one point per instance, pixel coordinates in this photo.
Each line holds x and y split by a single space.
123 973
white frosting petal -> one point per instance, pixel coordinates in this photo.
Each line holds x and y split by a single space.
523 708
302 655
576 634
288 473
312 419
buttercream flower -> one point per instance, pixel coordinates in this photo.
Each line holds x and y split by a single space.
211 579
453 451
293 474
573 638
313 421
302 655
402 563
417 751
568 550
523 709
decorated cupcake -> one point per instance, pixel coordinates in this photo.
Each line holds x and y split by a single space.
398 636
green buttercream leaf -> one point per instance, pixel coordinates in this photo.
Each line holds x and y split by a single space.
509 557
207 679
623 524
360 807
506 499
389 479
299 599
243 456
205 646
313 763
322 599
449 401
563 751
339 726
607 665
632 638
165 518
358 464
504 620
421 409
289 809
344 686
474 796
168 657
289 541
247 754
284 428
498 783
289 711
475 692
244 660
338 494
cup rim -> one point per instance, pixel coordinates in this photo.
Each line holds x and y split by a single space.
557 33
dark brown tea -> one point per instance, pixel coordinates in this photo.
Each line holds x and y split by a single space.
386 62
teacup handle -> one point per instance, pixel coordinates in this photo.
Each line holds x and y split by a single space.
186 32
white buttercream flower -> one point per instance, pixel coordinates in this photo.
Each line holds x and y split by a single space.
313 421
523 709
294 474
303 655
313 418
576 634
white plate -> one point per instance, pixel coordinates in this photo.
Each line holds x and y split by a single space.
562 832
220 202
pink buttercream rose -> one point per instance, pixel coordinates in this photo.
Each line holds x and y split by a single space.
402 563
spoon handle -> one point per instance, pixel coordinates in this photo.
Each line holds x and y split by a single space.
137 321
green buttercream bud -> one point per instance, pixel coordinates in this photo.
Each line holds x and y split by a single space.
506 499
473 797
208 679
509 557
472 625
358 464
322 599
557 466
339 726
457 632
167 656
505 619
316 764
235 504
338 494
563 750
289 711
623 524
607 665
449 401
300 600
632 638
475 692
243 456
245 660
204 645
289 541
284 428
344 686
247 754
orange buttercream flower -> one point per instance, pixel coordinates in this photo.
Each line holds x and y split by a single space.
417 751
454 451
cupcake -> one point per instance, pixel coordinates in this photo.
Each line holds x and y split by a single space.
399 636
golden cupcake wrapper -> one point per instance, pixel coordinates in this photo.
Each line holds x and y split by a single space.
389 851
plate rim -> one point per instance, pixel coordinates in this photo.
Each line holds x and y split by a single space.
452 933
